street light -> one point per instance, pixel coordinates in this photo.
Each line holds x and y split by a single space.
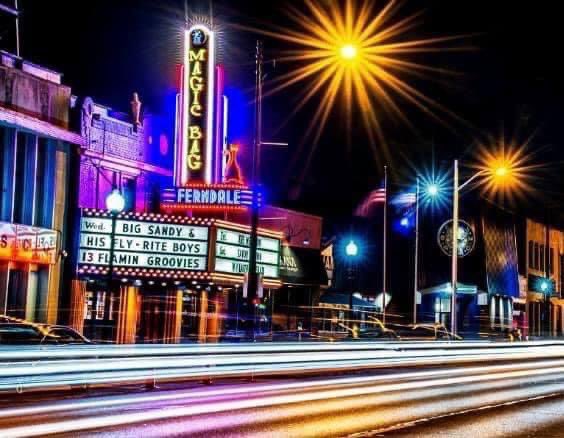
115 203
351 250
499 172
348 51
432 190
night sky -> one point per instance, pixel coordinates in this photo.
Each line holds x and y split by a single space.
512 84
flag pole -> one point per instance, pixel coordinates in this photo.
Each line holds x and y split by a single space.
416 255
384 246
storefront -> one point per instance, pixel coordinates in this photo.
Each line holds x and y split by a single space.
26 257
436 303
38 155
151 277
303 277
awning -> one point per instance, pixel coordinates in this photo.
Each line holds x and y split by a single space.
446 289
302 266
344 299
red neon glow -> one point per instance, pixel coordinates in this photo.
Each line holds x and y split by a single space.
233 172
218 152
199 207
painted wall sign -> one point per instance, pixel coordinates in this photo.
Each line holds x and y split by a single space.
194 159
207 197
232 253
139 244
27 244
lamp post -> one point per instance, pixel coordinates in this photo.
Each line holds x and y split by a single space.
255 176
454 255
115 203
430 192
351 250
499 170
416 261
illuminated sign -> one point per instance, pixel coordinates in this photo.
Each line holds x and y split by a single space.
466 238
195 156
137 244
27 244
207 197
232 253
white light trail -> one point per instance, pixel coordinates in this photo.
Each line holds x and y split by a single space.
90 423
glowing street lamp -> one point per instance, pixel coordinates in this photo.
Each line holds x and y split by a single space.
115 203
348 51
351 249
432 190
498 171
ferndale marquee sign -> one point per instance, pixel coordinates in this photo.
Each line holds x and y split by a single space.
232 253
195 160
137 244
207 197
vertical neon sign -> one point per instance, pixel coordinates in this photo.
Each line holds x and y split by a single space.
196 148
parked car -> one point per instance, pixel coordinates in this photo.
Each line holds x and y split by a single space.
380 333
425 332
25 333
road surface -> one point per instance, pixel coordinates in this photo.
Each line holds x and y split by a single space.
523 398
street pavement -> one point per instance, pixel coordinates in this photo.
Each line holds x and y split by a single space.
501 399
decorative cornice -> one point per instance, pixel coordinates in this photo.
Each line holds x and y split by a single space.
113 160
29 123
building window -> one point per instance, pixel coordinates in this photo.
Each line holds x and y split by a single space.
542 266
113 307
100 305
561 273
129 189
19 181
536 256
531 255
88 305
551 261
3 139
41 184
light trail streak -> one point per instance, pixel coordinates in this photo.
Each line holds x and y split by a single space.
52 375
157 363
128 351
264 388
268 401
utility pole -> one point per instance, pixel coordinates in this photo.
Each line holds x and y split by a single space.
454 259
255 175
416 253
385 247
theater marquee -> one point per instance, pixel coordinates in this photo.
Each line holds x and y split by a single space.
232 253
194 162
142 245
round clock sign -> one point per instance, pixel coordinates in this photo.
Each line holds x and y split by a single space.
466 238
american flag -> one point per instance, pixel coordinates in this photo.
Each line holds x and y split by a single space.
403 200
374 197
